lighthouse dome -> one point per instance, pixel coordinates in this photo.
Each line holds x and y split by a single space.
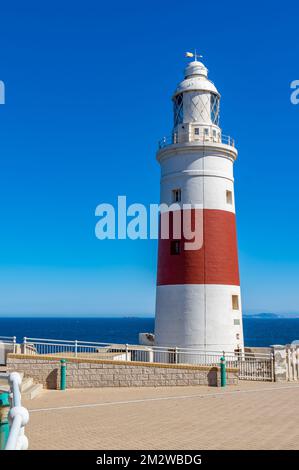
196 79
196 68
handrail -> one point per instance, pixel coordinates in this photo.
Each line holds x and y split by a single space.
18 416
11 339
53 342
77 345
250 365
175 138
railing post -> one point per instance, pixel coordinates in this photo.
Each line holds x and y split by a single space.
14 340
223 371
4 424
176 354
24 343
76 348
62 374
127 352
272 368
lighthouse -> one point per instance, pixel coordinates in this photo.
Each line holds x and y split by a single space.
198 300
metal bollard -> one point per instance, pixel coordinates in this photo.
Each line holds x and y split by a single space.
223 371
62 374
4 424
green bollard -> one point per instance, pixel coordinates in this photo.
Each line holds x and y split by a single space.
223 371
4 424
62 374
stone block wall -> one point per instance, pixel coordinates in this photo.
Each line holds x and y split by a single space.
86 373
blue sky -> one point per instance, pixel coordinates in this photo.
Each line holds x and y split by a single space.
88 88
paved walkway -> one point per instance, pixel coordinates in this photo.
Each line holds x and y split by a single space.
252 415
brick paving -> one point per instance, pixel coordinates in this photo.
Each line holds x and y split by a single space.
251 415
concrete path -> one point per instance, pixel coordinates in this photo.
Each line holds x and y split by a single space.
252 415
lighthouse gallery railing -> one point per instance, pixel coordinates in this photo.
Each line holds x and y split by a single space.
176 138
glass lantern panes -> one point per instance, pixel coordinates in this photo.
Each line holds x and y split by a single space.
178 109
215 105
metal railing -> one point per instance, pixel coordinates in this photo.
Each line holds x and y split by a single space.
8 344
18 416
251 366
9 340
257 367
127 352
176 138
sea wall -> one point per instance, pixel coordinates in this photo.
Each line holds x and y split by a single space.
86 373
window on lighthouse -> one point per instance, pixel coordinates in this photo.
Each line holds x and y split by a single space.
175 247
235 302
178 109
229 197
215 109
176 195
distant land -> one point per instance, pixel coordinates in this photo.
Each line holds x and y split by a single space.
271 316
265 316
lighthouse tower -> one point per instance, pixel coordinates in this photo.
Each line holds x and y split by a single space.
198 302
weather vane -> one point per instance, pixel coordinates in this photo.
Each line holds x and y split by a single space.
193 54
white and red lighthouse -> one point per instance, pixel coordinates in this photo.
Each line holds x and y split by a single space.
198 302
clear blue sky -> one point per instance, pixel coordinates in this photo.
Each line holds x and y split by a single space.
88 88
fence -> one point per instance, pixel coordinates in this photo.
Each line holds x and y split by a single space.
127 352
257 367
18 416
251 366
8 344
9 340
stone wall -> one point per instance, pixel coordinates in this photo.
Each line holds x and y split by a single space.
85 373
257 350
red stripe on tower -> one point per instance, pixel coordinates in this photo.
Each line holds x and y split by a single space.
216 262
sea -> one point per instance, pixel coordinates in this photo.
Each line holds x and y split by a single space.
257 331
